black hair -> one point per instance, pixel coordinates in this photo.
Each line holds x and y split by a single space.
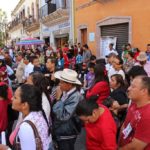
52 60
108 102
146 83
32 58
3 62
86 107
119 80
136 71
33 96
131 54
93 57
111 44
120 60
61 54
100 73
91 65
128 44
86 46
4 91
101 61
41 82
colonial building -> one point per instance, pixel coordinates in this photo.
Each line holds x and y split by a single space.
56 22
25 20
15 28
100 22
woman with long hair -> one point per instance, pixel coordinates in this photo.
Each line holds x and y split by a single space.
118 87
33 132
5 100
100 86
40 81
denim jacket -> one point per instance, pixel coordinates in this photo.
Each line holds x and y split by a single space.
64 111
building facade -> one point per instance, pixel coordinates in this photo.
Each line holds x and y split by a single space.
25 21
15 27
100 22
50 20
56 22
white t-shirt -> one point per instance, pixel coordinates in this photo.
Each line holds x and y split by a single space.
28 69
112 51
112 71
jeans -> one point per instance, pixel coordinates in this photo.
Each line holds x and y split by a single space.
51 147
66 144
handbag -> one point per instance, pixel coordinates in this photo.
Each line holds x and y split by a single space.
38 142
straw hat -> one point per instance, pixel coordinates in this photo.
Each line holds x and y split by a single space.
67 75
142 56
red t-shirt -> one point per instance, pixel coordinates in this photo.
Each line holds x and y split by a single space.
136 125
66 61
3 110
101 135
102 89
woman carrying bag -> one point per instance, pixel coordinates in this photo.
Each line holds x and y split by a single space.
33 132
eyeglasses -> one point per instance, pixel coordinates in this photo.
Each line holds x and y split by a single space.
116 63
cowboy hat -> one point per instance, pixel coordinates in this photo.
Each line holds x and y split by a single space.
67 75
142 56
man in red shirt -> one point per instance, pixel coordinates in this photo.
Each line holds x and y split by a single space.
99 124
135 132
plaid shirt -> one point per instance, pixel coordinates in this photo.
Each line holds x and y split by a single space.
79 59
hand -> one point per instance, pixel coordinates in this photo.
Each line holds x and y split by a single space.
58 93
3 147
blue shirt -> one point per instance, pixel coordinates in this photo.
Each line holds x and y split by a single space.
79 59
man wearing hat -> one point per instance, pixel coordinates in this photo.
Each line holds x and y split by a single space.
64 127
142 58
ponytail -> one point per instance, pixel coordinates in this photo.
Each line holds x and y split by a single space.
44 115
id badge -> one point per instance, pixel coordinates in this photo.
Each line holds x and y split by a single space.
127 131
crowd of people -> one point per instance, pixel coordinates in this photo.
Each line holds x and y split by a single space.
48 97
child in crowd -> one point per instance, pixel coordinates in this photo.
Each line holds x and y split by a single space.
60 60
88 82
113 106
79 61
82 73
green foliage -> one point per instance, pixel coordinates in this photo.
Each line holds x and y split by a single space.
3 22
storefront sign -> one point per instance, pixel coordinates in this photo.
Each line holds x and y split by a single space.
63 25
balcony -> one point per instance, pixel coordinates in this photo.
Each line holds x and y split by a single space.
31 24
15 24
51 15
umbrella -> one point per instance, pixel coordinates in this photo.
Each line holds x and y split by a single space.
30 41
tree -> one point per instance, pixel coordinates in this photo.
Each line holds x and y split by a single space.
3 23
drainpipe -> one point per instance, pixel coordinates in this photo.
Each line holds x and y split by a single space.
73 20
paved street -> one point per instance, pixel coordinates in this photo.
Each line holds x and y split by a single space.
80 142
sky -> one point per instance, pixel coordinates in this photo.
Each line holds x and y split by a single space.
8 6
